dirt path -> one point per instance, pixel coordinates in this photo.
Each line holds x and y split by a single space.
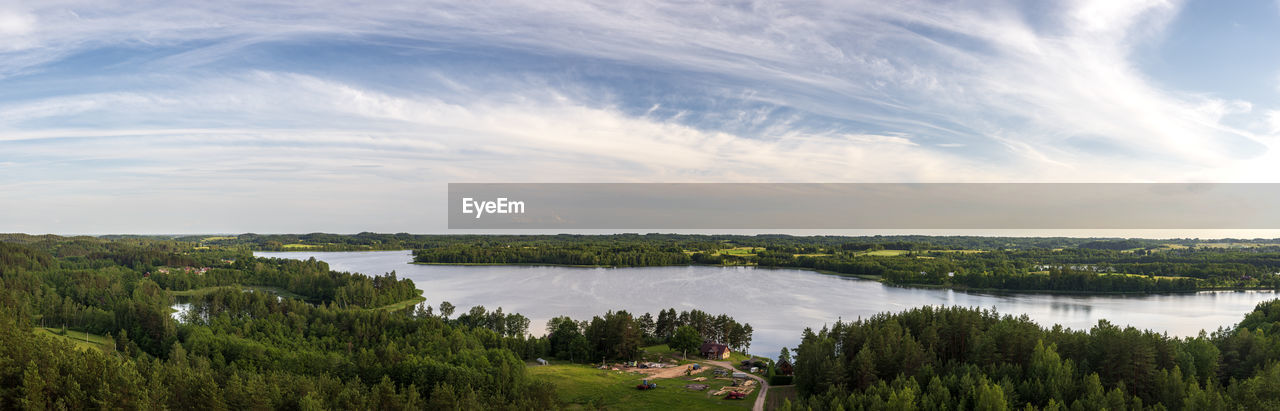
764 385
665 372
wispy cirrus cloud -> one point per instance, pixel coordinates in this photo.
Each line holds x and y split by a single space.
381 98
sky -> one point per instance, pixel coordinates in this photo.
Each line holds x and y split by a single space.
335 116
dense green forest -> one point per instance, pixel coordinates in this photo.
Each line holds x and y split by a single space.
1056 264
959 358
1029 264
306 337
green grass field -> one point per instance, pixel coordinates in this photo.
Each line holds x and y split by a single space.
81 340
884 253
741 251
298 246
403 304
778 394
1235 245
584 387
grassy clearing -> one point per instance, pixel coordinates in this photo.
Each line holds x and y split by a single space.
81 340
884 253
584 387
741 251
1235 245
735 251
403 304
778 394
218 238
299 246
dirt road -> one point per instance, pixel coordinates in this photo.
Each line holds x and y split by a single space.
665 372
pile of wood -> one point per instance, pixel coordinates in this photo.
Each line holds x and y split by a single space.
729 389
697 387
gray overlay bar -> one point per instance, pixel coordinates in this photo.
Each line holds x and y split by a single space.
867 206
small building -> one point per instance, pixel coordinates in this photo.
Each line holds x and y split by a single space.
714 351
784 368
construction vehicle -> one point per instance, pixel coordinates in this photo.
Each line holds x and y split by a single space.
735 395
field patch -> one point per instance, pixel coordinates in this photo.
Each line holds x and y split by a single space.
585 387
741 251
403 304
884 253
82 341
779 394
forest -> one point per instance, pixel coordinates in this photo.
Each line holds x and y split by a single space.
1050 264
303 337
1025 264
962 358
293 334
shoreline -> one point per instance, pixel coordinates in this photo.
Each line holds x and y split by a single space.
877 279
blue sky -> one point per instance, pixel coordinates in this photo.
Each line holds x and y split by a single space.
157 117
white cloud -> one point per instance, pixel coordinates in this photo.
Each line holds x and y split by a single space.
522 139
14 23
1273 121
841 91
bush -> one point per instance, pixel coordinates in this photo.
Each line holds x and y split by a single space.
781 380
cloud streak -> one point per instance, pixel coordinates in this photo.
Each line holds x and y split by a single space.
226 103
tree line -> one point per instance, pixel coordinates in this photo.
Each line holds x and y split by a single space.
962 358
619 335
235 349
1080 265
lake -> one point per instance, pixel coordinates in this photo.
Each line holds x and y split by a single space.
778 303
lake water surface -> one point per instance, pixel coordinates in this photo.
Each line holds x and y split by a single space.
778 303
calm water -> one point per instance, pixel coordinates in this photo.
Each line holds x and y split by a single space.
778 303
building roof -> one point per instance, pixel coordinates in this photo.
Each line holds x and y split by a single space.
714 347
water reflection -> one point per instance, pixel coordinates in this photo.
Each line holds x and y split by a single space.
1069 307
